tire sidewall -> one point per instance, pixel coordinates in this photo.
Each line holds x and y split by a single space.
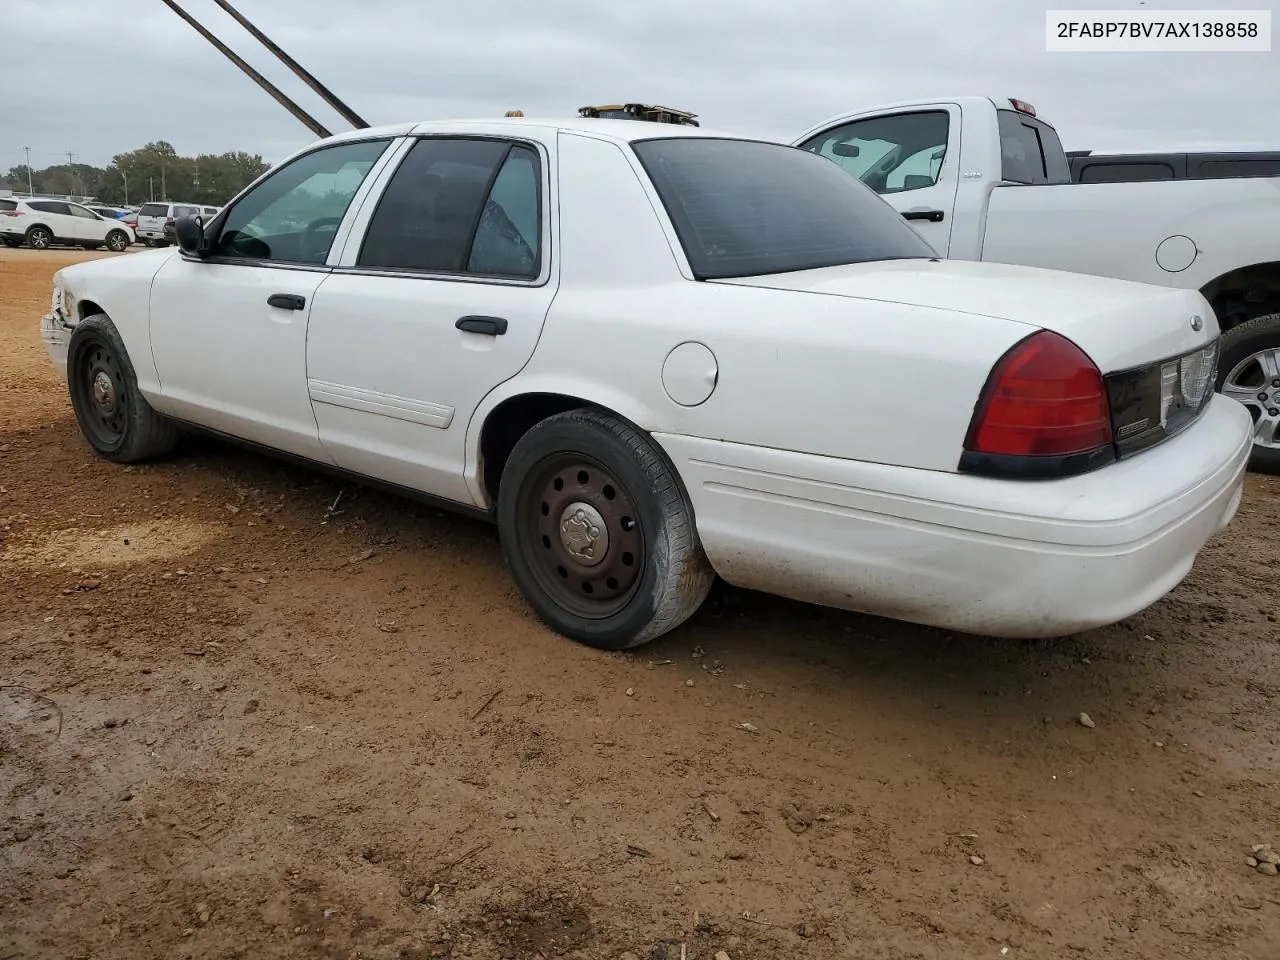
98 329
117 241
39 232
556 437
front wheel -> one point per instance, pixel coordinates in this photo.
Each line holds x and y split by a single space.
113 414
1249 371
117 241
598 533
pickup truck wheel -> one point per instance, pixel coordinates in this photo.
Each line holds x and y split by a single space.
38 238
598 533
113 414
1249 371
117 241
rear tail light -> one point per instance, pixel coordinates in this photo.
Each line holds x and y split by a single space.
10 213
1044 412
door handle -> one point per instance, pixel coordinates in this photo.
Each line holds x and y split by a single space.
933 216
286 301
491 326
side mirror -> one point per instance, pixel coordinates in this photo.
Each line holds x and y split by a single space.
190 234
845 149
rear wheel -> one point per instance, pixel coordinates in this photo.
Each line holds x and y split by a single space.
1249 371
113 414
598 533
39 238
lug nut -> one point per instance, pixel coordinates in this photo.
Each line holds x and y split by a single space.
1273 412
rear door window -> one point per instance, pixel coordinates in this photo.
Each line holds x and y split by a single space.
154 210
50 206
461 206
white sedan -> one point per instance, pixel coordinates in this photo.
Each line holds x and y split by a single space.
654 354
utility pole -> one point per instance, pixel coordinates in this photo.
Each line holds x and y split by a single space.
152 182
126 186
31 190
164 194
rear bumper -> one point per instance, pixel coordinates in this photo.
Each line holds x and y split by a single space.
993 557
12 234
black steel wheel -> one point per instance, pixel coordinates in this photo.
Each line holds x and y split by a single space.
598 533
582 541
113 414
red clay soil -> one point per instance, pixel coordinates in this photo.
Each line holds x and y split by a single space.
237 723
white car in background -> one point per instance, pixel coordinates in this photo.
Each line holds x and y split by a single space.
655 354
154 217
41 223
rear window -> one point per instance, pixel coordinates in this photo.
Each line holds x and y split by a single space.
743 208
154 210
8 204
1030 151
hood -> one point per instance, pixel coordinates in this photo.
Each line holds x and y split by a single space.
1119 323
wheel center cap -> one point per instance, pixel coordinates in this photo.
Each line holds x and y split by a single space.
104 391
583 533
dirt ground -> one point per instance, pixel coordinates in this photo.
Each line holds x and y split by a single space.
236 722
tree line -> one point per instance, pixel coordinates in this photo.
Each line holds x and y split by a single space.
155 171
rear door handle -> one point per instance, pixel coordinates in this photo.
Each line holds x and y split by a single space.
491 326
286 301
933 216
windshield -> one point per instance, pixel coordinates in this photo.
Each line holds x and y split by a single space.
743 208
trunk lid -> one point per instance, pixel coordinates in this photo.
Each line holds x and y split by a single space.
1120 324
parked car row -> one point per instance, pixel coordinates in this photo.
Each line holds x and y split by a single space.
43 222
655 354
40 224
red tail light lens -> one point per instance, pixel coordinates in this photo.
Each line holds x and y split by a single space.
1044 399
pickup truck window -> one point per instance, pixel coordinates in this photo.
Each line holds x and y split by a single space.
745 208
292 216
1030 150
458 205
890 154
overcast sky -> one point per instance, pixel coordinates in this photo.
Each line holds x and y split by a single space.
98 77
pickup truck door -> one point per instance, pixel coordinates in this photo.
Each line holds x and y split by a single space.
229 330
909 157
437 301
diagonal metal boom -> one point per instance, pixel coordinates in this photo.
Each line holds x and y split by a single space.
314 125
299 70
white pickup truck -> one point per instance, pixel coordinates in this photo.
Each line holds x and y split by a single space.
985 179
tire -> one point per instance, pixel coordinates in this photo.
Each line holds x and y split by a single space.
39 238
1249 351
8 242
113 415
117 241
593 472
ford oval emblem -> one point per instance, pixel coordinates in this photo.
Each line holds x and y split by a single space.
1197 324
